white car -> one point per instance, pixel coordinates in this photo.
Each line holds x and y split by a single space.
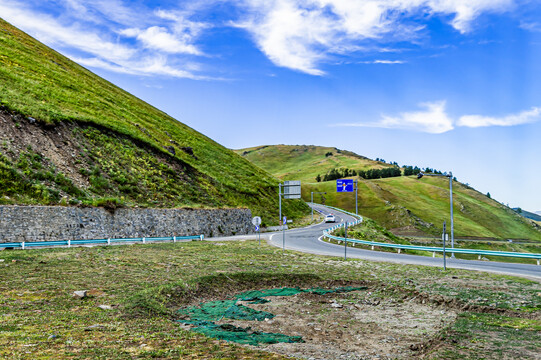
330 218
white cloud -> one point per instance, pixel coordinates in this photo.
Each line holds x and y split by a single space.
525 117
531 26
386 62
295 34
98 47
435 120
432 119
300 34
159 38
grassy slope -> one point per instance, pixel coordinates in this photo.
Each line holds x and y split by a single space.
38 82
145 284
388 200
302 162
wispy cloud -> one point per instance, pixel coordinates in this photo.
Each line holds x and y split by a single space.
524 117
433 118
531 26
301 34
386 62
159 38
99 46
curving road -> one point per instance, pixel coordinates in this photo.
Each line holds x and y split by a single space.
308 240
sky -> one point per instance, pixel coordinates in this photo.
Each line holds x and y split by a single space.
453 85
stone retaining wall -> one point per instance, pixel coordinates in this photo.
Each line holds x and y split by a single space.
45 223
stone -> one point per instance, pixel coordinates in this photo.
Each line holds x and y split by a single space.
105 307
337 305
95 327
46 223
80 294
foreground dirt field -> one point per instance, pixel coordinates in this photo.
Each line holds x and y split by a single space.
134 292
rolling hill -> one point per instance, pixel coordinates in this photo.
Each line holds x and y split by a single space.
404 204
69 137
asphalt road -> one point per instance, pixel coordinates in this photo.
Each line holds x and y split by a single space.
308 240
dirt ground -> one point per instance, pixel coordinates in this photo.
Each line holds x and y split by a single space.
355 325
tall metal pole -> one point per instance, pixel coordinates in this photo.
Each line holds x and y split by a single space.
443 239
280 201
356 196
312 201
452 222
346 241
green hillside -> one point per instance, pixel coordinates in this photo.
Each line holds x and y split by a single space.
99 144
404 204
302 162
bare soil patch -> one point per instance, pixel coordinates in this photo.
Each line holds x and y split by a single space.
356 325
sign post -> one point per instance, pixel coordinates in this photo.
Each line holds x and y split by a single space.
292 190
284 233
256 220
443 237
346 241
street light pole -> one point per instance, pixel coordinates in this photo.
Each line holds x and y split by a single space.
312 200
356 197
451 201
450 176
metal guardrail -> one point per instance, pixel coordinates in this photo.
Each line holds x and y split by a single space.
328 234
26 244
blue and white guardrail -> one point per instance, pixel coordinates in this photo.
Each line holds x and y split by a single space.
327 233
27 244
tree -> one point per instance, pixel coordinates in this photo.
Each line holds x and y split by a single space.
318 178
488 195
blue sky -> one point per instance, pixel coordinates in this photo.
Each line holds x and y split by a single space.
449 84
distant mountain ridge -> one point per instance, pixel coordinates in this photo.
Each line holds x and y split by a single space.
529 215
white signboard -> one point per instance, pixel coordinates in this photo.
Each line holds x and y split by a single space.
256 220
292 189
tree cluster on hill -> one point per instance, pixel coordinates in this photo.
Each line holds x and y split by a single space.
395 171
380 173
335 174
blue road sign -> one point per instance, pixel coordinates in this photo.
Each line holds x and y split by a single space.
344 185
285 220
256 228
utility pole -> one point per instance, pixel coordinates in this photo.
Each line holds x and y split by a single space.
443 235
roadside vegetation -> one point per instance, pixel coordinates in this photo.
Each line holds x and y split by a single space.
140 288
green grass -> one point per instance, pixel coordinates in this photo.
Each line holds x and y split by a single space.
126 143
302 162
145 284
398 203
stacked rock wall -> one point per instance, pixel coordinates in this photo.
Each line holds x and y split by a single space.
46 223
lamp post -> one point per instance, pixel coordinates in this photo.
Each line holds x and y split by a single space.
450 176
312 201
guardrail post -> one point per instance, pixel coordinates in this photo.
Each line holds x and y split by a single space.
479 257
433 254
174 239
538 262
372 247
109 241
201 237
144 241
69 243
399 250
22 246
